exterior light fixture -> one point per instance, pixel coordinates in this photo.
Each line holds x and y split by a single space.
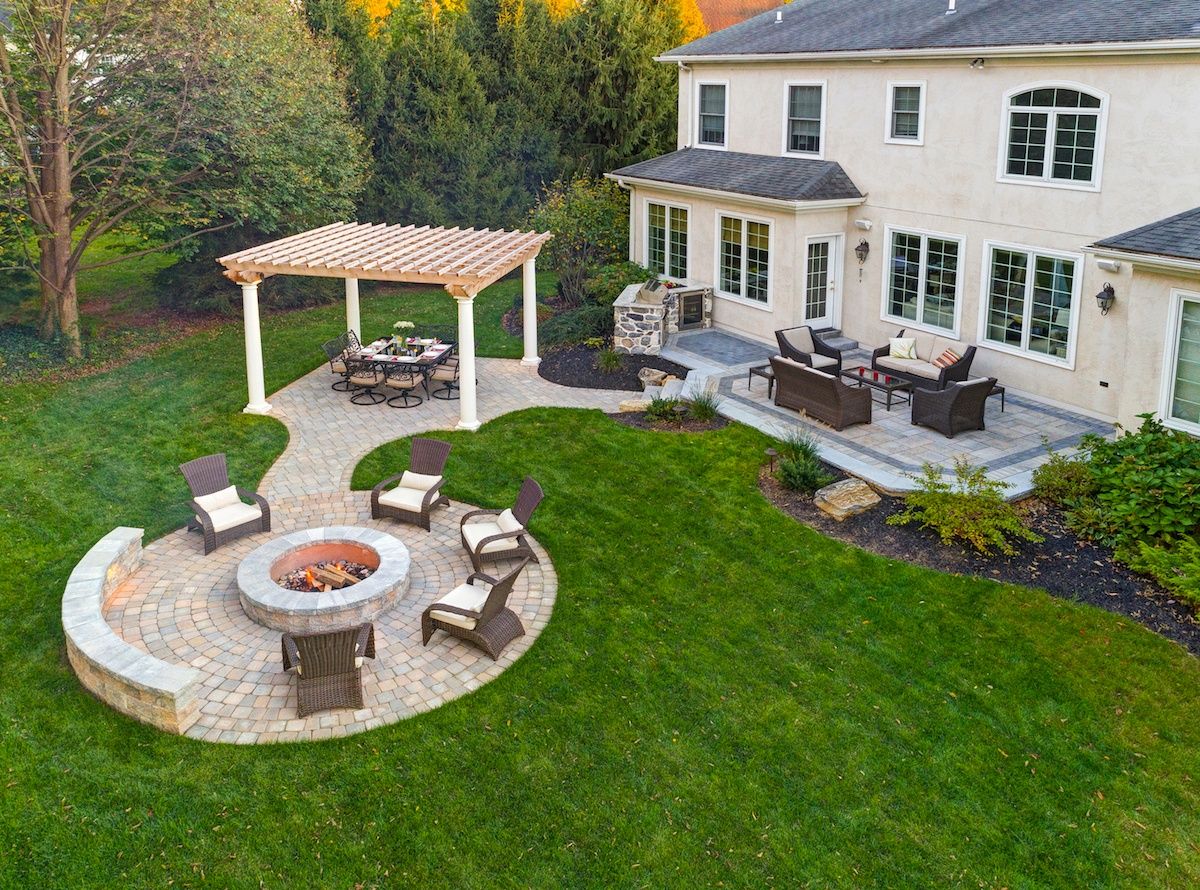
1106 298
862 251
977 64
771 455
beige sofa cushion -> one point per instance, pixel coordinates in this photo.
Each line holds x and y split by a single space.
476 531
224 518
226 497
800 339
465 596
508 522
925 344
419 481
910 366
941 344
403 498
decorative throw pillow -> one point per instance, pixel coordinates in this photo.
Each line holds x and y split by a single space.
508 522
946 359
902 347
224 498
419 481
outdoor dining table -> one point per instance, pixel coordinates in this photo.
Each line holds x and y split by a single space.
378 353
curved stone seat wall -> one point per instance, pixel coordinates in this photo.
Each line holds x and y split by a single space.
123 676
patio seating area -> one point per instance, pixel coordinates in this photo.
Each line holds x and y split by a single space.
891 447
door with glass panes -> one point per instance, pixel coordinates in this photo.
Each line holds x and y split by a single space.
820 283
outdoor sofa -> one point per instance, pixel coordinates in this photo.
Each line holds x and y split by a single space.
922 371
819 395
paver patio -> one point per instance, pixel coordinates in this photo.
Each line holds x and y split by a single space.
889 448
182 606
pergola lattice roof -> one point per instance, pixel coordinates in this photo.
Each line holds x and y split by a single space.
464 261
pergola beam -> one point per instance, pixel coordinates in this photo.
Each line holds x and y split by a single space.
463 261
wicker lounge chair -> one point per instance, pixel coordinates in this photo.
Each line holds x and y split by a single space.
447 375
405 379
365 378
221 514
800 344
956 409
477 611
420 488
335 350
328 667
922 371
502 535
826 398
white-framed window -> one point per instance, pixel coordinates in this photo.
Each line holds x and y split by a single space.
923 286
712 114
667 239
1031 300
905 124
1053 135
1180 407
744 258
804 119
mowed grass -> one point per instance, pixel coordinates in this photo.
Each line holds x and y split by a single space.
722 698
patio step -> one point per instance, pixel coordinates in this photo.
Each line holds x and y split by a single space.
833 337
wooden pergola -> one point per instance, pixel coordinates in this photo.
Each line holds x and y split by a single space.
463 261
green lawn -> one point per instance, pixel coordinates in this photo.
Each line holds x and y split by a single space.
723 697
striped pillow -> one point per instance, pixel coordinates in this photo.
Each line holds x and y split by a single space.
946 359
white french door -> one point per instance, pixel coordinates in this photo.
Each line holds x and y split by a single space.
821 284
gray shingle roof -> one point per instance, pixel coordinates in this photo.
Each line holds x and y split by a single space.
815 26
785 179
1176 236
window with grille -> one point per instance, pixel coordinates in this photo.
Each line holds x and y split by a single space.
904 113
712 114
667 239
1053 136
1030 302
923 283
744 261
804 121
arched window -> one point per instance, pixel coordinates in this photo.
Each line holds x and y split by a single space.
1054 135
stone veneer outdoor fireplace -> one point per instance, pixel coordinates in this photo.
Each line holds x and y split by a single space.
298 611
641 323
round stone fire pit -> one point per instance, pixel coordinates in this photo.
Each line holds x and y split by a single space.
296 611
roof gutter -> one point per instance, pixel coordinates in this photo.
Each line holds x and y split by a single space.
1147 260
627 182
1124 48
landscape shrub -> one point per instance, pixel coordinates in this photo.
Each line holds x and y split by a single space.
1146 487
800 467
609 361
589 219
970 510
704 407
608 282
1174 565
1066 481
662 409
577 325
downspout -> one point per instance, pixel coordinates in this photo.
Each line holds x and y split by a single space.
687 104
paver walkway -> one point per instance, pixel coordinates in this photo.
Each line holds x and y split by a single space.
182 606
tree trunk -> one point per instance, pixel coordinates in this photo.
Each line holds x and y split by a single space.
48 313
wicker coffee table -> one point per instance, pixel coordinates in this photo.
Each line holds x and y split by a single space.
880 382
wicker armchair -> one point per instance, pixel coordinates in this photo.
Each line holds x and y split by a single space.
477 611
957 408
328 667
365 378
503 535
801 344
335 350
221 514
420 488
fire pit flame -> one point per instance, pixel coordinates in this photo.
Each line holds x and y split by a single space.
326 575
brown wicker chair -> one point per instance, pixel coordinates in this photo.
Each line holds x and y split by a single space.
956 409
477 611
225 518
801 344
502 537
817 394
414 501
329 667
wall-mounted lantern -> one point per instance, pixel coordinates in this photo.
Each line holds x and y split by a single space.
862 251
1106 298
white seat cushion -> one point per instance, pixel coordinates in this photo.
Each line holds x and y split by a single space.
910 366
822 361
477 530
357 663
403 498
419 481
465 596
234 514
800 339
508 522
226 497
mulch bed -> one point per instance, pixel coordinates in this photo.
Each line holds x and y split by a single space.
1063 564
576 366
639 421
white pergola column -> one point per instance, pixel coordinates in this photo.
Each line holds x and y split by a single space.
529 312
468 419
254 362
352 316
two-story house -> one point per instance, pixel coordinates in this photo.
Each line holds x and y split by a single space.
961 169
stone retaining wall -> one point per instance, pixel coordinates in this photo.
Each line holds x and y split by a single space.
123 676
